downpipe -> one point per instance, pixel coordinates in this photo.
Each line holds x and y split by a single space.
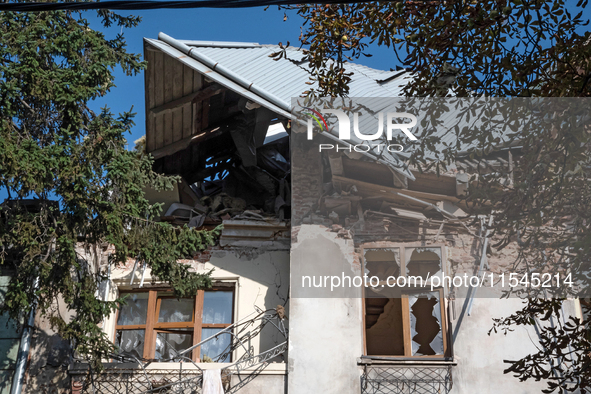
23 352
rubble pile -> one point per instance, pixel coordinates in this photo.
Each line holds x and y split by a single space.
257 192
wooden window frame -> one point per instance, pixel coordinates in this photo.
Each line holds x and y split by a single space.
406 326
152 326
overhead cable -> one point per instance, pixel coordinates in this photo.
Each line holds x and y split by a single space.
150 4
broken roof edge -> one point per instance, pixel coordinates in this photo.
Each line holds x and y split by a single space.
384 75
220 69
229 79
211 74
189 48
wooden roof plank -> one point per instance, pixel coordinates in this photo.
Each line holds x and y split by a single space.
177 92
188 107
168 83
391 193
149 95
158 99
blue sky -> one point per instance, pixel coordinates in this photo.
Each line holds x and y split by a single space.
247 25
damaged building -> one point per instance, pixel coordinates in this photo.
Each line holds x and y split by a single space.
219 114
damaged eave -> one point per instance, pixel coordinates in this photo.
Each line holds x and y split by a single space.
250 233
392 161
389 193
212 132
216 77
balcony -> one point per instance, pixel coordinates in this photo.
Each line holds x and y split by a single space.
180 375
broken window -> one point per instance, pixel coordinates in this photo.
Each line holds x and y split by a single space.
410 321
155 325
423 262
382 262
426 334
384 330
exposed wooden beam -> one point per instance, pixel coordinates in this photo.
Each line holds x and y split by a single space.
204 113
185 142
389 193
202 94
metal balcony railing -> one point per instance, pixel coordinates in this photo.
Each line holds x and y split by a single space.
141 378
406 379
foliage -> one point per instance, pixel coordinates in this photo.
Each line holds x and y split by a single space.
493 48
561 341
54 147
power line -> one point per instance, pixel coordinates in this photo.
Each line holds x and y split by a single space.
152 4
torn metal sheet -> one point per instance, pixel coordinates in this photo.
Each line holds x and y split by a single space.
483 261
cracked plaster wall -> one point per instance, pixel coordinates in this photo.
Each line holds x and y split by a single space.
325 333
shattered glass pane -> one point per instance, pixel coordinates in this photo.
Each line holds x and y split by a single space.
425 324
173 310
168 344
217 307
423 262
215 347
135 311
382 262
131 341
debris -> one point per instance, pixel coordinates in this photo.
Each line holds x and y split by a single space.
180 210
196 221
340 206
186 194
336 228
226 173
249 215
343 234
334 217
336 165
280 311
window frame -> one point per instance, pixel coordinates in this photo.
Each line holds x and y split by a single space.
152 327
406 324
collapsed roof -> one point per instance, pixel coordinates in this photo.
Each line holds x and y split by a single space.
217 113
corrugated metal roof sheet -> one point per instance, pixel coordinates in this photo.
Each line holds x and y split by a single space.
206 71
286 78
248 68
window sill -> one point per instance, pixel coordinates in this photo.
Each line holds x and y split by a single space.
269 369
384 360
